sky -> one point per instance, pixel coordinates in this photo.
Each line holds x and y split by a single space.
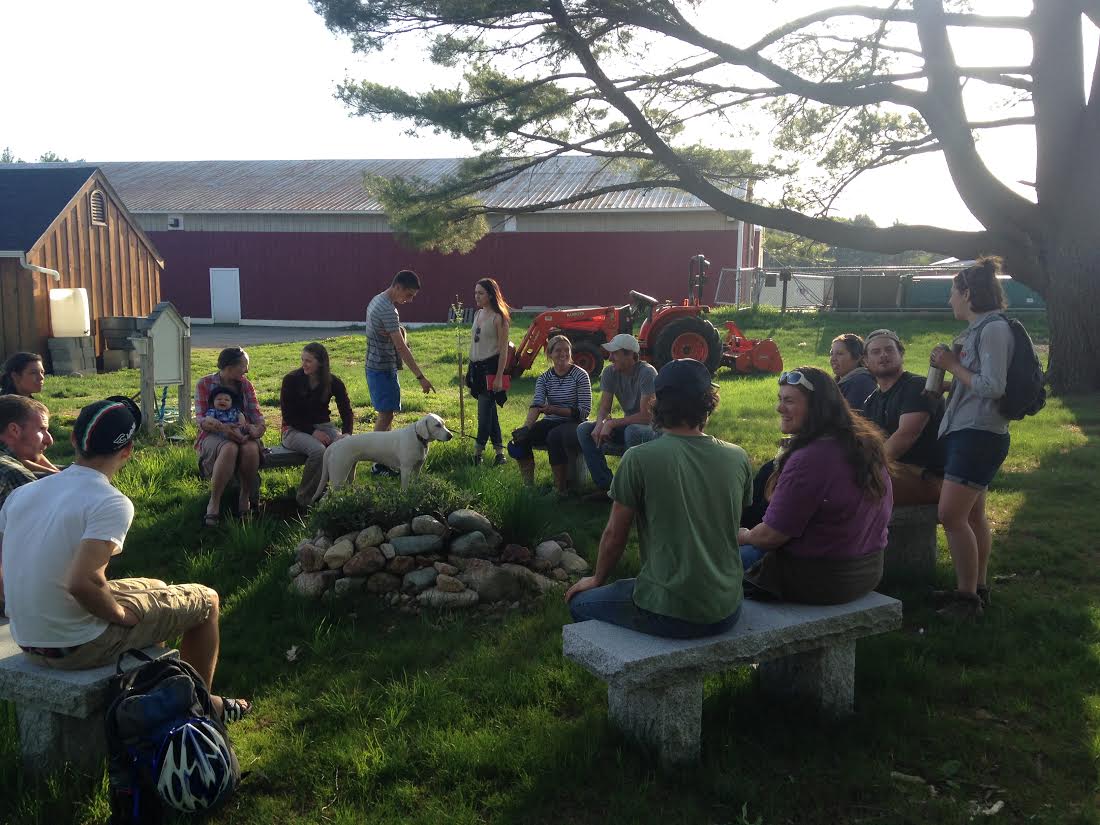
127 80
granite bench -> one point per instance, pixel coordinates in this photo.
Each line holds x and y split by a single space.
655 685
910 556
59 713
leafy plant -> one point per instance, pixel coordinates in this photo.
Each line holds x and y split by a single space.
381 502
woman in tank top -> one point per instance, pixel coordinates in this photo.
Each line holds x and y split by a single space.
488 360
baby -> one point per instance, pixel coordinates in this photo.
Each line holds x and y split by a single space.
224 408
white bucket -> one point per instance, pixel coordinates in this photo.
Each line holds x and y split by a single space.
69 316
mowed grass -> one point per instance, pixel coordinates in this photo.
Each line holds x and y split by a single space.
441 718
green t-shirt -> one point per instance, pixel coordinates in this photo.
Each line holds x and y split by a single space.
687 493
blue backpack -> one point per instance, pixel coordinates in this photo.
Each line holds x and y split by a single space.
167 749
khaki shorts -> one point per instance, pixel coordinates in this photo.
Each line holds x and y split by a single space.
164 613
208 452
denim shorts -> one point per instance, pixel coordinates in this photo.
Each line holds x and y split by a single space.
385 392
973 457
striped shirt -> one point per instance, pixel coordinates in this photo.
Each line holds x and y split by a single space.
382 319
573 390
12 475
249 405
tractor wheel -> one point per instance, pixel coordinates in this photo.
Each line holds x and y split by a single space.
589 357
689 338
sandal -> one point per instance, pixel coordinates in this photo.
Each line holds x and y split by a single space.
234 710
211 519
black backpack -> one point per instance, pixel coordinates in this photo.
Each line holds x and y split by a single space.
1024 391
144 706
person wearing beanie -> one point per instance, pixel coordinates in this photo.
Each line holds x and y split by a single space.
57 536
683 490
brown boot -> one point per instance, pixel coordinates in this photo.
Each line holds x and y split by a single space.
527 470
561 478
962 606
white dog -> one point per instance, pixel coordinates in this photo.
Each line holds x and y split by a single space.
405 448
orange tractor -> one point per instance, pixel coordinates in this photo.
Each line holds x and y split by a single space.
668 331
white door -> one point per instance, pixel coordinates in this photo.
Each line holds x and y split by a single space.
225 296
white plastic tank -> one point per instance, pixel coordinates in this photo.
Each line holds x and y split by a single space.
69 316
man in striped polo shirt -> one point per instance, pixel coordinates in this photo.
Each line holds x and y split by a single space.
386 348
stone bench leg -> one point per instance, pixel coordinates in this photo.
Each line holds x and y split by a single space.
578 470
48 740
667 718
824 678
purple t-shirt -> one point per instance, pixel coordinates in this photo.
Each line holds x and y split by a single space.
817 503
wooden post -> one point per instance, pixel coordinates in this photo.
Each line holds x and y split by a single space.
461 397
185 387
144 347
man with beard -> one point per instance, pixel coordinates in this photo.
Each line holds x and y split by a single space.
909 418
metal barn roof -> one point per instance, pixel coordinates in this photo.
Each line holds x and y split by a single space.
336 186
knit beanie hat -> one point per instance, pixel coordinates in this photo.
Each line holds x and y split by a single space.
105 427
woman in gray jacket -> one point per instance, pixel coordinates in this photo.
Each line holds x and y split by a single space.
973 434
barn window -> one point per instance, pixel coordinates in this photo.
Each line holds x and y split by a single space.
98 208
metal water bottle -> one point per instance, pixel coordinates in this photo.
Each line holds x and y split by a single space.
934 382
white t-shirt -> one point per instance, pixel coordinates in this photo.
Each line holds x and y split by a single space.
42 525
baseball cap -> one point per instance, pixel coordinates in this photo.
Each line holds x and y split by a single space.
882 333
105 427
624 340
684 374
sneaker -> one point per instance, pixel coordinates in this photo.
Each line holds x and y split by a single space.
963 607
383 470
500 460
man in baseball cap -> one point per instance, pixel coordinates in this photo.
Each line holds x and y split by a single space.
683 490
58 535
630 380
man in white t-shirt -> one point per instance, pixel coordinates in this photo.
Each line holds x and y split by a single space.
58 535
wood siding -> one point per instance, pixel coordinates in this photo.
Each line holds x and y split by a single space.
331 276
114 263
17 308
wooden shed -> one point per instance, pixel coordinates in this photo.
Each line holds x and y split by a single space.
66 227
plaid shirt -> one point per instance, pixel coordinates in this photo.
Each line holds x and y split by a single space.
249 405
12 473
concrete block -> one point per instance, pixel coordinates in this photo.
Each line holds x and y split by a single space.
655 684
910 556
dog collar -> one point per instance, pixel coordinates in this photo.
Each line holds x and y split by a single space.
423 441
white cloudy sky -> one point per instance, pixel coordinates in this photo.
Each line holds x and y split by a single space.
159 80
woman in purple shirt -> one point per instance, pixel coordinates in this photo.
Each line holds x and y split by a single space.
823 534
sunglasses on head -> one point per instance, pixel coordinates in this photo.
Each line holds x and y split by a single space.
794 377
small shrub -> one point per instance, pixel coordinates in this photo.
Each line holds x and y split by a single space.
384 503
521 514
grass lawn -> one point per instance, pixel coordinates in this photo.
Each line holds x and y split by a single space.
385 718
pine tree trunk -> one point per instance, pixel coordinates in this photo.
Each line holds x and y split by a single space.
1073 310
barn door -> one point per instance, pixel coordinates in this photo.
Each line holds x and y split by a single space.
225 296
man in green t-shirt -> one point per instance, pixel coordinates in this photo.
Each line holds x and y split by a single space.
685 491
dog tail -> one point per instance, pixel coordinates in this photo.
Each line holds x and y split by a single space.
323 482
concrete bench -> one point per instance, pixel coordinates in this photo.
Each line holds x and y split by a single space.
278 457
59 712
655 685
910 556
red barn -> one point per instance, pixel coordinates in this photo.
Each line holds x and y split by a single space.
301 242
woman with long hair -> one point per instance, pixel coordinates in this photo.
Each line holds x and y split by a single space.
307 422
974 436
226 449
563 399
488 361
23 374
824 532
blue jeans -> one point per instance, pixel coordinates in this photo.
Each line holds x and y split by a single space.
750 555
488 423
614 603
629 436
